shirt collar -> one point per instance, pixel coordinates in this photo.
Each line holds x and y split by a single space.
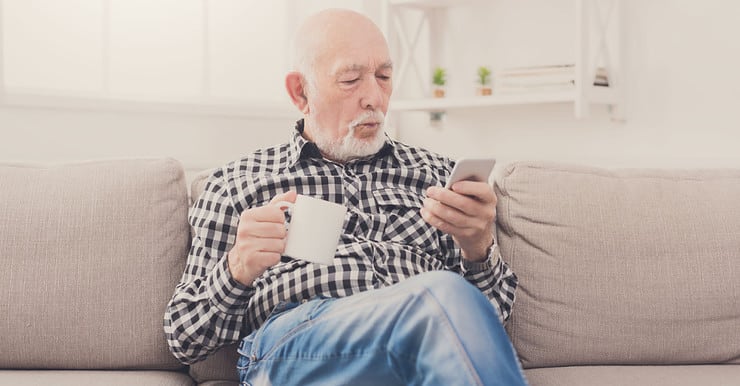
301 148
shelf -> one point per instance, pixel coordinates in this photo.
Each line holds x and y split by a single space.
428 4
594 50
451 103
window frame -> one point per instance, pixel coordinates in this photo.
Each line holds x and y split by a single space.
104 100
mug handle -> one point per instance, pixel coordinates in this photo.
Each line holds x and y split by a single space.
285 205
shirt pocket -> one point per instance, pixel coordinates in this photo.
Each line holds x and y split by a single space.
399 213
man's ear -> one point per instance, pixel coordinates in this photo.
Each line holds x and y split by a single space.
297 91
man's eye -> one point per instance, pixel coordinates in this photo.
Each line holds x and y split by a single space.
351 81
384 77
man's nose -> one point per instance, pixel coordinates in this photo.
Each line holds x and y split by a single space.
372 94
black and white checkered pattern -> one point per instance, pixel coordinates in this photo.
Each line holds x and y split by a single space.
385 239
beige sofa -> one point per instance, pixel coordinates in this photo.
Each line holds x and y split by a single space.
626 277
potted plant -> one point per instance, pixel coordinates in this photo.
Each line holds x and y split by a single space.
484 81
439 78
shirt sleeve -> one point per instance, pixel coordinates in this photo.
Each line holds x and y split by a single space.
208 307
496 280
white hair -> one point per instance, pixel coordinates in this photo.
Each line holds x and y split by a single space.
303 61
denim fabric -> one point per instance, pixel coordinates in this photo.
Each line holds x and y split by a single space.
432 329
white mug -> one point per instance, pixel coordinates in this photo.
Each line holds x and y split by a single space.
314 229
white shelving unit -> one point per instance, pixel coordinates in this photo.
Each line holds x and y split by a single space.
446 103
592 25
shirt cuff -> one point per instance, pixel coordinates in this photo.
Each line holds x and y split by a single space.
226 294
486 265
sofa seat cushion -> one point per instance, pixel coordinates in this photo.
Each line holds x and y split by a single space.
91 253
219 366
108 378
715 375
622 267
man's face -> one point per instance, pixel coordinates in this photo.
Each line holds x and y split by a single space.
351 87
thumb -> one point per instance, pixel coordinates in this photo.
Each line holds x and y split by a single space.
288 196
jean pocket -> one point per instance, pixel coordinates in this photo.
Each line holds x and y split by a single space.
245 357
245 346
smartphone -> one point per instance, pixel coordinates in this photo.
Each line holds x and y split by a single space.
471 169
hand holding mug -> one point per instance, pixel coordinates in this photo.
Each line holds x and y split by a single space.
314 230
260 239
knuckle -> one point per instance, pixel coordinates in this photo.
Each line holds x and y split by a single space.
434 205
469 207
436 223
441 210
470 232
490 216
281 232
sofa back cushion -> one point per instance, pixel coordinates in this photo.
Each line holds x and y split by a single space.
622 266
219 366
90 256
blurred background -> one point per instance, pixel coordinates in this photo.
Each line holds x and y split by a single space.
202 80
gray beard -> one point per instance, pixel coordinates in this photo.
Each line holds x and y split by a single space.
348 147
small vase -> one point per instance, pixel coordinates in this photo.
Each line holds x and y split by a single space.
484 90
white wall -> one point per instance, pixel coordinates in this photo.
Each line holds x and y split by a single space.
57 78
681 61
682 102
199 142
105 79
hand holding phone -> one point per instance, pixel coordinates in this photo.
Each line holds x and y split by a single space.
477 204
471 169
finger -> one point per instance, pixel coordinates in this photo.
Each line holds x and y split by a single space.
449 228
446 213
264 259
288 196
482 191
264 229
436 222
463 236
470 205
267 213
271 245
256 244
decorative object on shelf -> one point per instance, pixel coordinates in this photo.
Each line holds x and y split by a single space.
436 118
439 79
484 81
546 78
601 78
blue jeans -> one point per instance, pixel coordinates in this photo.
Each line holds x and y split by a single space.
432 329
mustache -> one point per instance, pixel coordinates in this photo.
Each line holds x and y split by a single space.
368 117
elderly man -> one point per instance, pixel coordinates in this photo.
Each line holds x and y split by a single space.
417 292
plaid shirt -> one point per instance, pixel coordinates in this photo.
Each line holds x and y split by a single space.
384 240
